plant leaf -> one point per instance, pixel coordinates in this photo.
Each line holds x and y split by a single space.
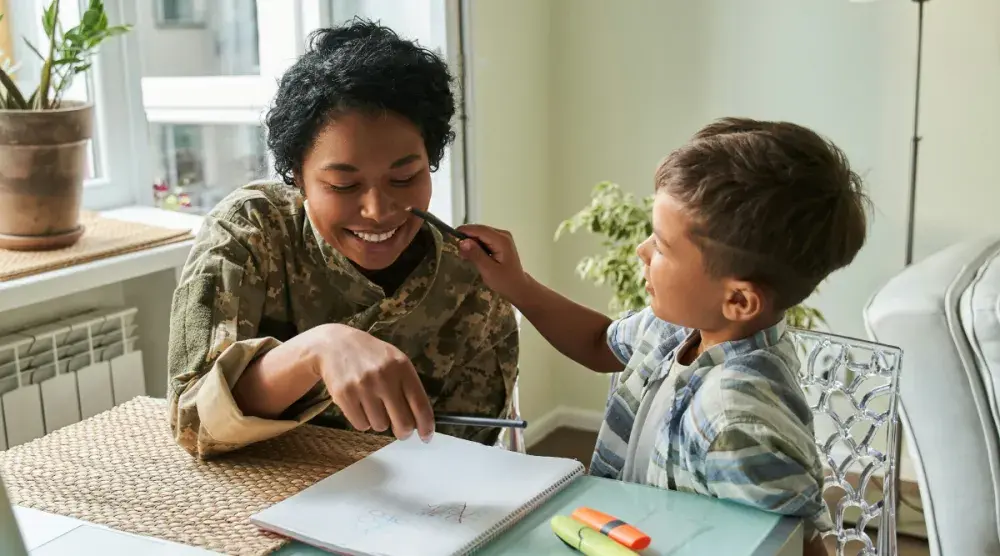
33 49
14 97
91 17
49 16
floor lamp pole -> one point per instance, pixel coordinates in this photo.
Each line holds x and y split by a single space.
910 222
912 209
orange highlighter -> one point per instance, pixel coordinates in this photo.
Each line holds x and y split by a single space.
614 528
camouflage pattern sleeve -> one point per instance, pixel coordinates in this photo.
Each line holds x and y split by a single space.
215 315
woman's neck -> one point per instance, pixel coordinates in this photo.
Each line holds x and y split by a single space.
392 277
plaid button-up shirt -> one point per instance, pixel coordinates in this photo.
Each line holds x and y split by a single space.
738 426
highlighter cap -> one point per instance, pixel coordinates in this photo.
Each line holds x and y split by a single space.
614 528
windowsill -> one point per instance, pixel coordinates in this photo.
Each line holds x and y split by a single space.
29 290
156 217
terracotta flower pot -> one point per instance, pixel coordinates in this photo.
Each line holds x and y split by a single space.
43 161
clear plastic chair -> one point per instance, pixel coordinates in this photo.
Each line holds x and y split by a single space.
510 438
513 439
852 387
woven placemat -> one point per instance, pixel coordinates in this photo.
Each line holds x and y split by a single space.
122 469
102 238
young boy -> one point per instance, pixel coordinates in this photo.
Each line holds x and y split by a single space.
748 218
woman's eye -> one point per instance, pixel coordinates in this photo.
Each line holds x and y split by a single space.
403 182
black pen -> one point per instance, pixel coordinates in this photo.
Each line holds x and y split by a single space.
448 229
479 421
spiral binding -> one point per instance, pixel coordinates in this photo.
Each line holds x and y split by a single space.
484 539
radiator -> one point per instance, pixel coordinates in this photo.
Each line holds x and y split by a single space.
61 372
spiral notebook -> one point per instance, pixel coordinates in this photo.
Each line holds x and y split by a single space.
447 497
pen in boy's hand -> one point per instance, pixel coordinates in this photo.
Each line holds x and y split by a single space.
448 229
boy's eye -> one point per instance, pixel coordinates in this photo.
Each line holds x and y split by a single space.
342 188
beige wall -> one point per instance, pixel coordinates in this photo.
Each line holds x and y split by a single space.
959 181
509 136
632 84
570 92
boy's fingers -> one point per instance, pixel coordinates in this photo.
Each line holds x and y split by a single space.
473 229
472 251
489 236
495 240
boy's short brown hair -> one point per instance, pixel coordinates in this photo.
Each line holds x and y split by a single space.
773 203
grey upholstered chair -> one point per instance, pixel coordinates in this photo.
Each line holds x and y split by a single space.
944 312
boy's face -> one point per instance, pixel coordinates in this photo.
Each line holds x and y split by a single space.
681 291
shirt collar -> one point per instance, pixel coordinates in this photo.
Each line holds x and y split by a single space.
762 339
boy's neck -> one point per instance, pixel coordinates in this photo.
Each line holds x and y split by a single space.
734 331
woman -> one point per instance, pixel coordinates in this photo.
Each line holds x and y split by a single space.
322 298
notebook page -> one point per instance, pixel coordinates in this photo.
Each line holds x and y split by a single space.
415 498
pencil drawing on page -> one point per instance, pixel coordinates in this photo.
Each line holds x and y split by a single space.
375 520
455 512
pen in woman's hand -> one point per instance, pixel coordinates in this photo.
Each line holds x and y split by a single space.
479 421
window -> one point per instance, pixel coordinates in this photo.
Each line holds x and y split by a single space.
180 13
189 158
205 90
181 99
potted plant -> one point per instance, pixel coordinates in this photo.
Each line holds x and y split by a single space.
625 223
43 137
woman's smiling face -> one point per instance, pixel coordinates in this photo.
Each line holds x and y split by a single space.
360 175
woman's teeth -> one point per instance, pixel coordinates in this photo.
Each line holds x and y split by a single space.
375 238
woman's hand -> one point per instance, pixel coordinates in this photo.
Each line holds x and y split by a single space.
502 272
371 381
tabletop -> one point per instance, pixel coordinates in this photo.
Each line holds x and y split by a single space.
679 524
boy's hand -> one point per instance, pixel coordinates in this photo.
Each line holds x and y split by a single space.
502 272
576 331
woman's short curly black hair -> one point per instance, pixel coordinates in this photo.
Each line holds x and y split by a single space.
359 66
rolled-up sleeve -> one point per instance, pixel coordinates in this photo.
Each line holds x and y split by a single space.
215 317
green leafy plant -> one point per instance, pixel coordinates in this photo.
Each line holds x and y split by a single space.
624 222
70 52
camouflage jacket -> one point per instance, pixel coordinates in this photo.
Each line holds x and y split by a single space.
259 274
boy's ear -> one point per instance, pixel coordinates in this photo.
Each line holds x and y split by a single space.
744 301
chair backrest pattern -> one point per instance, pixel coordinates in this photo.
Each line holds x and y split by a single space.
852 387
